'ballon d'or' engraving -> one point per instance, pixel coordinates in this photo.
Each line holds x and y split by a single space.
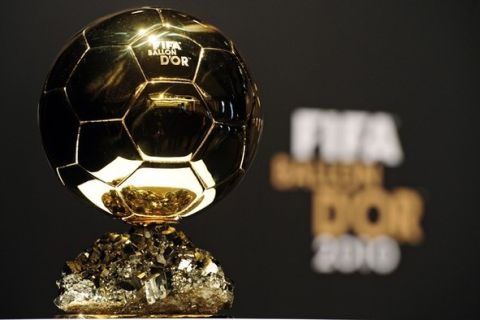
167 51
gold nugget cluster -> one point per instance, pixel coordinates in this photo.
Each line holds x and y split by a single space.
157 202
150 270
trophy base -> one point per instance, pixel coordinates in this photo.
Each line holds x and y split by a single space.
133 316
153 271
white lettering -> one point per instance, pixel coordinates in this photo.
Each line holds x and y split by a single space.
347 254
175 60
164 60
345 136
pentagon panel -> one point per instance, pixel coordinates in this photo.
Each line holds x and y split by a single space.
221 154
168 120
59 127
107 152
165 54
66 62
103 83
205 35
121 28
253 133
225 86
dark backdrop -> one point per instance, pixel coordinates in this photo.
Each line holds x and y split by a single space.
416 59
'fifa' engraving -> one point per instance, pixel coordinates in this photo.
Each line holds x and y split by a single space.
167 51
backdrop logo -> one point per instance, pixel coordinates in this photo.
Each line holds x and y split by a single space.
340 157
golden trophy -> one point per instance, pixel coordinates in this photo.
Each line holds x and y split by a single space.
151 116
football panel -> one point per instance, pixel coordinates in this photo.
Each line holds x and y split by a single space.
224 85
251 86
223 189
168 120
254 130
176 18
221 154
66 62
165 54
84 185
106 151
121 28
206 199
59 127
240 59
104 82
208 37
205 35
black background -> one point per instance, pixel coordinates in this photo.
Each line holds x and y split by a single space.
416 59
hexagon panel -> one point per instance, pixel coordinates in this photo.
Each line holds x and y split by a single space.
104 82
168 120
107 152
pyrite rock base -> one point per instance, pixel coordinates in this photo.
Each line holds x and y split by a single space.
150 270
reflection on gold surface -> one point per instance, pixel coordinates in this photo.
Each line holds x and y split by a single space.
92 190
202 171
164 99
207 198
151 201
115 171
157 201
